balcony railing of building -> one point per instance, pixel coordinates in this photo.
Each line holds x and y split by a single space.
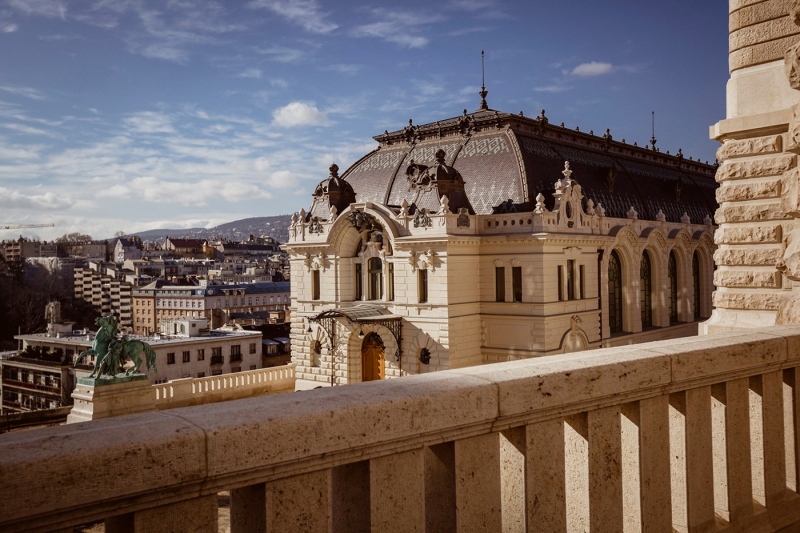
692 434
217 359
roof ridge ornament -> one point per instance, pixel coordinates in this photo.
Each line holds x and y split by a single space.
483 92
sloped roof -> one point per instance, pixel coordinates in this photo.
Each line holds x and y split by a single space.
504 157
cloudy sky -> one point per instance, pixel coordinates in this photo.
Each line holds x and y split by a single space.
139 114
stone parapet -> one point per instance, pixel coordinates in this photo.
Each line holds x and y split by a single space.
631 428
102 398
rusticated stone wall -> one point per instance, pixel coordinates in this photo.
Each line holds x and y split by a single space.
760 32
758 255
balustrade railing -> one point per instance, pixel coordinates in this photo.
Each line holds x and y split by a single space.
692 434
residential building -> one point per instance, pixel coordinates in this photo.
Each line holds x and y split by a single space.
125 249
185 347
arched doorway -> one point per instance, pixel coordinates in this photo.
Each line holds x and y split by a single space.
614 293
373 355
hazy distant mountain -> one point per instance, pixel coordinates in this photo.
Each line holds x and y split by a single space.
238 230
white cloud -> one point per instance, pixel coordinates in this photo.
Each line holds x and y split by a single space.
202 192
27 92
343 68
281 54
305 13
8 28
555 88
10 199
279 82
283 179
42 8
402 28
149 122
299 114
253 73
593 68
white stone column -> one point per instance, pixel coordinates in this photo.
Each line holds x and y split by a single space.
300 503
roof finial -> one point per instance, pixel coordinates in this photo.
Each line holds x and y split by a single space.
484 92
653 138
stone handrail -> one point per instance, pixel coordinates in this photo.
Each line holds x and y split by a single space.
674 434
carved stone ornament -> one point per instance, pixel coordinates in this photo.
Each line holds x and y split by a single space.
539 209
421 219
444 206
685 219
660 216
425 356
590 207
575 325
463 218
362 221
600 210
632 214
315 226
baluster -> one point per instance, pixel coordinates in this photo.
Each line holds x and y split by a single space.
605 469
440 488
478 493
699 461
654 464
350 494
774 454
738 456
248 509
300 503
546 475
397 492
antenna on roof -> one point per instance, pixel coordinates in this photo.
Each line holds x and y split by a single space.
653 138
484 92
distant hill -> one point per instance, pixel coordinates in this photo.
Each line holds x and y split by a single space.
238 230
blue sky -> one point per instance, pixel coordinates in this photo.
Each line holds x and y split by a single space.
136 114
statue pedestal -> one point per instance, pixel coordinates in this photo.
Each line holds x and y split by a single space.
97 398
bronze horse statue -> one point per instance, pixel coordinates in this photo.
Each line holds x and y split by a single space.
112 352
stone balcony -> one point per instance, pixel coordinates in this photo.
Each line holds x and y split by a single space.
694 434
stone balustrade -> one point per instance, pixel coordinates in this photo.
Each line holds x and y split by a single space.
237 385
695 434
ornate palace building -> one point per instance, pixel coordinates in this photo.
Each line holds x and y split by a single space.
493 237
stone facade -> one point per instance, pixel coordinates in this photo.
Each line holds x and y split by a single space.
757 258
495 269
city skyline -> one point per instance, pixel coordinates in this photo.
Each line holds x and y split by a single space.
123 115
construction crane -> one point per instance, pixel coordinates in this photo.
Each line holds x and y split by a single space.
19 226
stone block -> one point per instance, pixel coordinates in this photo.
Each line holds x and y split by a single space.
719 354
549 381
749 213
764 234
754 168
746 300
340 419
760 53
761 32
732 192
747 278
760 12
65 454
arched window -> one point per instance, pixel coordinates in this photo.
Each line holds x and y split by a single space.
696 283
375 279
646 290
614 293
672 274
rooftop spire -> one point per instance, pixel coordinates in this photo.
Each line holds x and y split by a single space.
653 138
483 92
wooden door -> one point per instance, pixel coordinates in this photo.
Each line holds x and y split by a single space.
372 358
